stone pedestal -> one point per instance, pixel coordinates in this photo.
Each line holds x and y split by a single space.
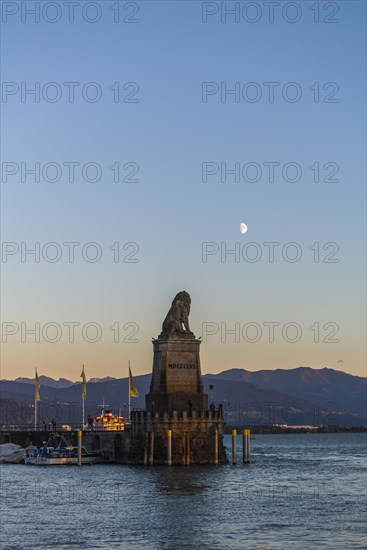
176 378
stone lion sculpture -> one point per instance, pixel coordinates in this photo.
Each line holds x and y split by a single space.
177 319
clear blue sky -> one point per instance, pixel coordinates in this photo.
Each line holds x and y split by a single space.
170 212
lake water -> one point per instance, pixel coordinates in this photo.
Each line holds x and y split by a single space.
300 491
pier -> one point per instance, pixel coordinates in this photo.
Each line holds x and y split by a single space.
150 439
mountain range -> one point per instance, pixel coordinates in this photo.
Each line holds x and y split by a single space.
295 397
61 382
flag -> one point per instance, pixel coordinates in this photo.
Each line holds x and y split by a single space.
84 388
37 396
133 391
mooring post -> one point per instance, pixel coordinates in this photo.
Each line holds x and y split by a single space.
246 446
151 450
169 447
234 447
146 448
184 444
79 433
216 447
187 449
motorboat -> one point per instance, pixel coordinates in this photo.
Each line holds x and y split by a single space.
11 453
63 453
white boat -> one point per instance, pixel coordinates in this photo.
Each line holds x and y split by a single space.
64 453
11 453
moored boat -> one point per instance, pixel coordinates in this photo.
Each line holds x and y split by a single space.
11 453
107 421
63 454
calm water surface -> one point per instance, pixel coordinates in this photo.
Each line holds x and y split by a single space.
300 491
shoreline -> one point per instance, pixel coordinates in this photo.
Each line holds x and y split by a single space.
269 430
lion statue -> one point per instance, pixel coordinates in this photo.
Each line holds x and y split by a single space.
177 319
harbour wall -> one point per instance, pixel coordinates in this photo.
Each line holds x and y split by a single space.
151 438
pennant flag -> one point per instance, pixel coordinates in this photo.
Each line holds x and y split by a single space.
84 388
37 396
133 391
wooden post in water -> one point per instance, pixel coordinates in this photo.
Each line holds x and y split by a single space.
234 447
146 448
184 443
216 447
246 446
151 450
169 447
79 434
187 462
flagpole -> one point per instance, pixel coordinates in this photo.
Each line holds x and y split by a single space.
84 394
35 400
129 391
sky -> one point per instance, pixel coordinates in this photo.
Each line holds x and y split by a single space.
155 128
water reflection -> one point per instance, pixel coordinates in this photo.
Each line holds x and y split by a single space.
182 481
